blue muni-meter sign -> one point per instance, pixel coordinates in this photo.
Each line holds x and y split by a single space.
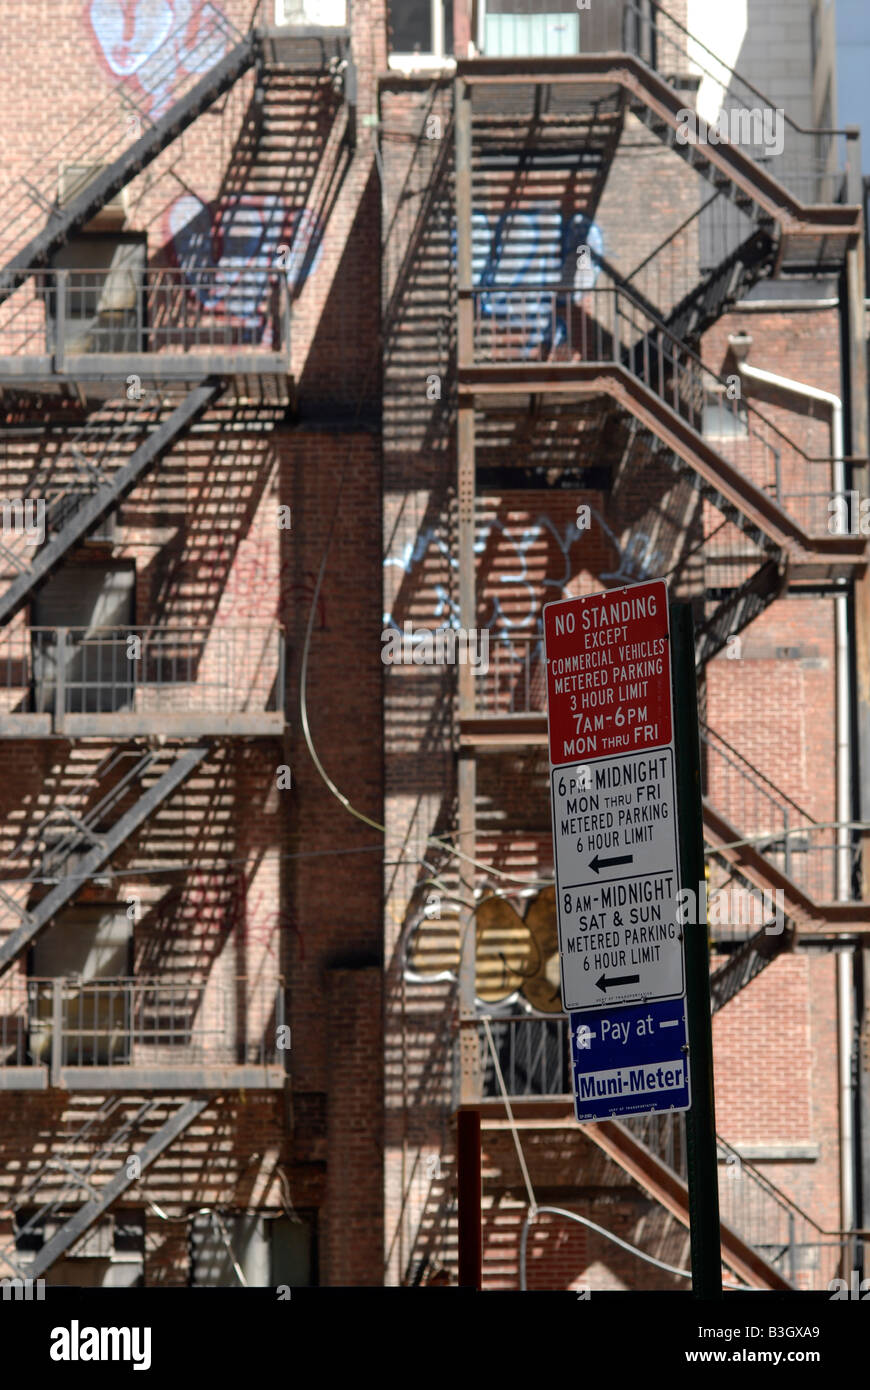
631 1060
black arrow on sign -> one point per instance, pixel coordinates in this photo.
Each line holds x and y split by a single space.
603 982
597 863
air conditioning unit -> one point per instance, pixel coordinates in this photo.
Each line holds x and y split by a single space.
74 178
311 14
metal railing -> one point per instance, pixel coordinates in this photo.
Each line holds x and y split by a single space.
159 670
128 310
516 679
810 163
534 1056
191 46
762 1214
703 243
129 1021
780 829
543 323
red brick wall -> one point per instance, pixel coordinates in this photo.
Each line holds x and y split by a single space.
265 895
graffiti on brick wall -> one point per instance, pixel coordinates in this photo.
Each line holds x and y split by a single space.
155 43
520 256
519 596
228 904
244 238
517 949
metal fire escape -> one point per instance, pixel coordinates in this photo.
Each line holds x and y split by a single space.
182 340
632 342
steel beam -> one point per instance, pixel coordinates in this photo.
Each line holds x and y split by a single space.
91 1212
207 1077
27 371
468 1035
90 863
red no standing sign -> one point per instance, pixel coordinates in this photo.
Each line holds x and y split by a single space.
608 673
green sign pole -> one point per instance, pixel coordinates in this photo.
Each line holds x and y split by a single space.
700 1119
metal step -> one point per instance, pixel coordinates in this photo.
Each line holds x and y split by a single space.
739 609
747 962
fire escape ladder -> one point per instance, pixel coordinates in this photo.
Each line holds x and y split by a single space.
797 913
79 1177
788 861
74 513
671 1191
738 609
99 854
714 293
668 387
103 1197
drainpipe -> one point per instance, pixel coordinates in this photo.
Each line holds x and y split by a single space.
740 345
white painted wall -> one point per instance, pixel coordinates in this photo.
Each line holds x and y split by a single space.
721 26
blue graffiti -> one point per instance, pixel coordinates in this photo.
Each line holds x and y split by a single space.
637 560
243 240
524 256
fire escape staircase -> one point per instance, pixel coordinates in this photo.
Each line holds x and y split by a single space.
103 463
655 376
85 848
641 357
811 234
61 217
76 510
671 1191
127 1139
100 467
62 221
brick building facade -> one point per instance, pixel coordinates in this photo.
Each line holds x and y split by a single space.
239 372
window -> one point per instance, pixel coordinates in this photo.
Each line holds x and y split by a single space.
421 32
724 418
110 1255
98 677
292 1249
314 14
528 28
